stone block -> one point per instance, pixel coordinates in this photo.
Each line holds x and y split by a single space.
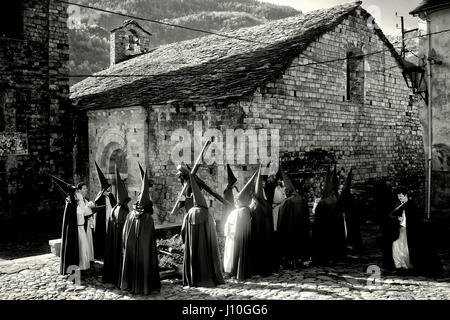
55 247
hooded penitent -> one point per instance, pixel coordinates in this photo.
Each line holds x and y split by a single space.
113 250
100 216
70 255
328 236
201 263
293 225
262 243
104 184
244 194
198 198
237 231
181 173
228 192
331 183
347 208
290 189
140 274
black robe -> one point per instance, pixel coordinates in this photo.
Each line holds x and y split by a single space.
262 239
384 204
347 207
113 249
422 254
70 255
99 236
294 229
328 236
201 265
240 255
140 271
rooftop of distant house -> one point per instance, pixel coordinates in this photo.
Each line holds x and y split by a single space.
211 68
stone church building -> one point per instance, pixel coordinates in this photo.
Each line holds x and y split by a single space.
329 82
35 112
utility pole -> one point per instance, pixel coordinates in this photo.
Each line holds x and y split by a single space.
430 123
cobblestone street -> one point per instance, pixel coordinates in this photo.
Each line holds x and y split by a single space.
38 278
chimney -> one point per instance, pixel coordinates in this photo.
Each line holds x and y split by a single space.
128 41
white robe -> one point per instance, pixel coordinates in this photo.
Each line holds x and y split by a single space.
400 251
229 232
278 196
85 240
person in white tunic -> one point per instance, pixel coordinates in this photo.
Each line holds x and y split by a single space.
85 242
400 251
238 235
278 196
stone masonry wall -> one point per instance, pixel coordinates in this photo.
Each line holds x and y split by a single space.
117 132
441 110
381 137
34 101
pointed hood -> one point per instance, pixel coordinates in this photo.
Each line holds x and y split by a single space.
348 182
331 183
65 187
141 170
199 199
287 183
244 194
122 193
259 191
144 197
104 184
231 178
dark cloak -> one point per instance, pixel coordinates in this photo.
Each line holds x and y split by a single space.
384 204
113 247
328 236
347 206
262 238
201 266
70 254
294 228
241 259
422 254
99 236
140 272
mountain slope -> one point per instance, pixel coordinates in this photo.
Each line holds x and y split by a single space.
89 29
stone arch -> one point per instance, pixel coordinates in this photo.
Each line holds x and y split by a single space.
112 151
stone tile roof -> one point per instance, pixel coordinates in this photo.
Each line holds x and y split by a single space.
428 5
209 68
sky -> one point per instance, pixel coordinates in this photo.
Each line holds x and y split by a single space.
382 10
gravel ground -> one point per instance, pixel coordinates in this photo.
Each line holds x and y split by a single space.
37 277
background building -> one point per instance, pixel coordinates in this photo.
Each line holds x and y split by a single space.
35 124
354 112
437 13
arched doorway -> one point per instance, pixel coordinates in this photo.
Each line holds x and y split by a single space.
113 155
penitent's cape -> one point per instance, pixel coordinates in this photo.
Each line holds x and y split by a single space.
201 266
140 271
113 248
237 257
328 234
70 255
263 246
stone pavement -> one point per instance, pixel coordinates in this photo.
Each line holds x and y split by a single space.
38 278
